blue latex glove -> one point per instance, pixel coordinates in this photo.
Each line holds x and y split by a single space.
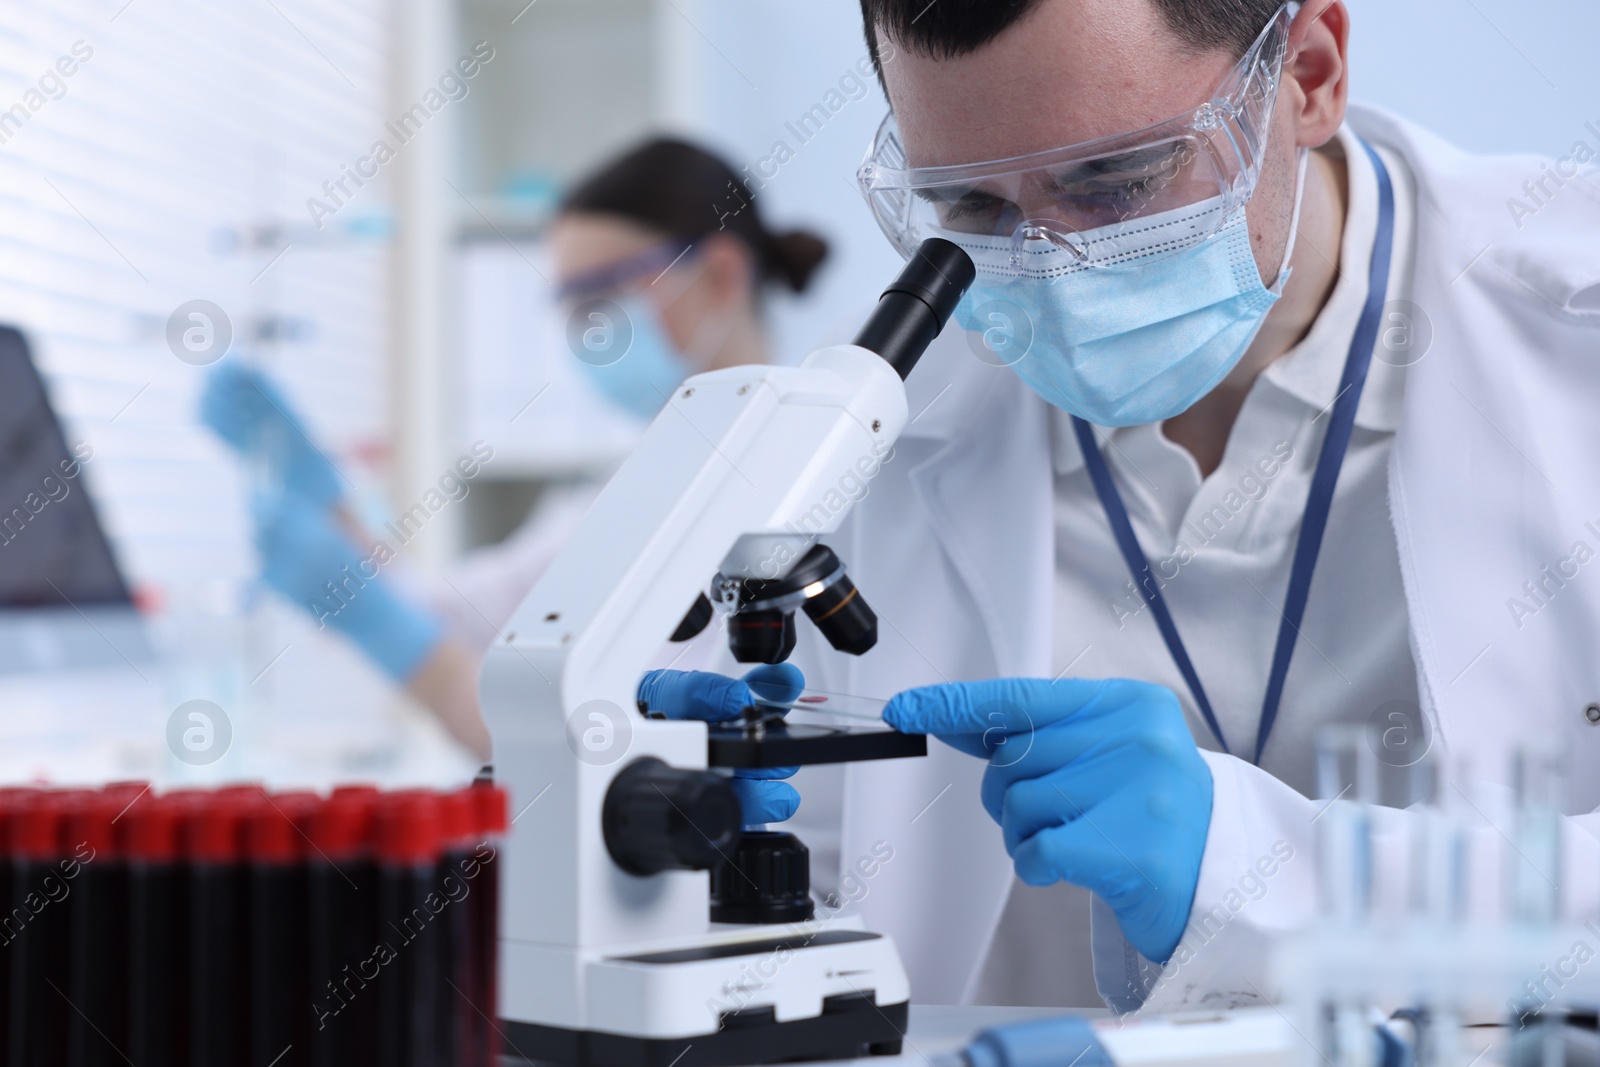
1098 783
249 412
303 550
716 698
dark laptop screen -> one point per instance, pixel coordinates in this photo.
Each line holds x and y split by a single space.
52 549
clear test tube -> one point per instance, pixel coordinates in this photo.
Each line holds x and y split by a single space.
1347 786
1436 886
1539 777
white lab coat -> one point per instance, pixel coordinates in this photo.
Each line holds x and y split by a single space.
1495 474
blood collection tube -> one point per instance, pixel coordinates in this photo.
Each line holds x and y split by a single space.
219 996
97 910
37 956
280 994
158 955
493 811
13 800
458 974
408 839
343 882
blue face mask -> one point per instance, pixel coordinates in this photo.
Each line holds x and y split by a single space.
1125 346
650 368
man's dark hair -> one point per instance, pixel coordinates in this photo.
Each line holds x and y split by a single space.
948 28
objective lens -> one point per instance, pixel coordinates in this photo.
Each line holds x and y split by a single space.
844 617
761 636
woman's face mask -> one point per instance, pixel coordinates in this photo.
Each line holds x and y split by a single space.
625 349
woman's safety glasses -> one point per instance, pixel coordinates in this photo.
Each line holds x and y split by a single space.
1117 200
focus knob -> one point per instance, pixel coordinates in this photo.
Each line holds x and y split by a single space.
659 818
766 879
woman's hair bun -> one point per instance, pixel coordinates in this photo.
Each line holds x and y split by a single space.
684 191
795 256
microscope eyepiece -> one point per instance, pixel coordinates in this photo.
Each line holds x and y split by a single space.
914 308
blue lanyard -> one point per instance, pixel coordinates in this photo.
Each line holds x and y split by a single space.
1318 503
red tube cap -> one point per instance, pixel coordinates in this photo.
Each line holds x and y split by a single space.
341 828
458 819
275 831
89 826
408 827
12 800
213 832
36 827
149 829
493 804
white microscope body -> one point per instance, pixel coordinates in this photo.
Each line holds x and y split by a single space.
600 966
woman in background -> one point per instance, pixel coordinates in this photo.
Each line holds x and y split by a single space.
643 253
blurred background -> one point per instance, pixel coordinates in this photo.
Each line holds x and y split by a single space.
196 153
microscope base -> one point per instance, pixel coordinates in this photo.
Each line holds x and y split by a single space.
849 1027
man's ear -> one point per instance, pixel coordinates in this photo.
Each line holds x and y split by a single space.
1318 67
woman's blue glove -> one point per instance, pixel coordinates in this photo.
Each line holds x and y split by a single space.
716 698
249 412
1098 783
311 561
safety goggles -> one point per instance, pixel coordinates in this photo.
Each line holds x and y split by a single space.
614 278
1117 200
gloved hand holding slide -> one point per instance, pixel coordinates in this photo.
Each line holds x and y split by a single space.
1098 783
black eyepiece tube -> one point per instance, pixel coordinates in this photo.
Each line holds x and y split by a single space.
915 307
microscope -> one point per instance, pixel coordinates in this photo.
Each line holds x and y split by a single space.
641 925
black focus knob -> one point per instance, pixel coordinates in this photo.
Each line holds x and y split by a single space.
767 879
659 818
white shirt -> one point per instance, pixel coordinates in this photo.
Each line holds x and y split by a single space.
1224 546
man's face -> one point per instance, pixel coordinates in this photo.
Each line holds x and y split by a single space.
1072 71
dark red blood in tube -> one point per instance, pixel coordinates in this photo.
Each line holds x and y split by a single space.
280 989
158 951
97 953
493 816
37 928
458 994
409 847
219 996
343 881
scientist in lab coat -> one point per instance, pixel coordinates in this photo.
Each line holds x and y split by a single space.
663 264
1276 412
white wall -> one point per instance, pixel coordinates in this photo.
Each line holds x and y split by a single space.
1490 75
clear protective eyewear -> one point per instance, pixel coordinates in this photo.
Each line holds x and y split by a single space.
614 278
1119 200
